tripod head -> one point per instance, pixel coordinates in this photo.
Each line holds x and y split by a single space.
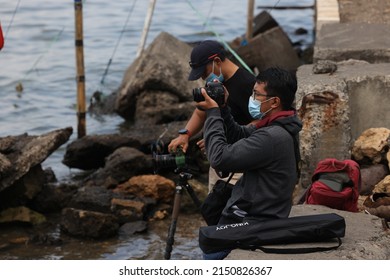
183 178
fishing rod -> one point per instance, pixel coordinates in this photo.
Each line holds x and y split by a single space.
12 19
117 43
226 45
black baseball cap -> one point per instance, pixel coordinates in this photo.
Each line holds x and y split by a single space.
202 54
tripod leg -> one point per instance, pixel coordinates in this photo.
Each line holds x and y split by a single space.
172 228
192 194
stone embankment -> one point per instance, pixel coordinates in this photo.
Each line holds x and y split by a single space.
342 98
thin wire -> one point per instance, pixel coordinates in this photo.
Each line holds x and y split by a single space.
277 2
41 56
12 19
208 16
117 43
221 40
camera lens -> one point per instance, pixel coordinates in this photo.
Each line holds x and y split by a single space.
197 94
169 161
164 161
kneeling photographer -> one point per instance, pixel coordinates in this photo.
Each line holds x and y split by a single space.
265 151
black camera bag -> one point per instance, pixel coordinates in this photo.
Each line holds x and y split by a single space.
254 234
215 202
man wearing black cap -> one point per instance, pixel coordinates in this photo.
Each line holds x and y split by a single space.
209 62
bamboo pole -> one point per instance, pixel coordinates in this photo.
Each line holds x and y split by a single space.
145 31
80 78
249 28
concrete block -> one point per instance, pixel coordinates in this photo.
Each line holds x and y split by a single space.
269 49
336 109
361 41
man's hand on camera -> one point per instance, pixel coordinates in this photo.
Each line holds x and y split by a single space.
208 102
226 97
201 146
180 141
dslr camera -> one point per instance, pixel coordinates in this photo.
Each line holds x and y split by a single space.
214 89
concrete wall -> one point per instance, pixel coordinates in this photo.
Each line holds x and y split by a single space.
337 108
370 103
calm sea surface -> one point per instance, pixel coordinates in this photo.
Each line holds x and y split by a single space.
39 54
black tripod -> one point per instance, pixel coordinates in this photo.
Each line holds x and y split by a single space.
182 184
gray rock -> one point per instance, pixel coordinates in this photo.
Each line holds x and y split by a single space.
25 152
92 198
324 66
21 214
121 165
154 71
88 224
268 49
89 152
372 175
132 228
24 190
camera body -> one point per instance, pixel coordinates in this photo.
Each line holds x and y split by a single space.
214 89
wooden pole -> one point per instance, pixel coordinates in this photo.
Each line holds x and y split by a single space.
145 31
249 29
80 78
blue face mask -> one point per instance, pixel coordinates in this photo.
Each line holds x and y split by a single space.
212 76
254 108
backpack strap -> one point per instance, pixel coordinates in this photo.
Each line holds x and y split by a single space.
300 250
296 149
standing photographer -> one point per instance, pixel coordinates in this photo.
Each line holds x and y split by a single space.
264 151
209 62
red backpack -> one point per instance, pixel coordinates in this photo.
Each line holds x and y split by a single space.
335 184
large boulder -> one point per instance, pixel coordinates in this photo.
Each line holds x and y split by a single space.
24 190
161 71
24 152
152 186
120 166
383 186
371 175
269 49
21 214
372 146
90 224
89 152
